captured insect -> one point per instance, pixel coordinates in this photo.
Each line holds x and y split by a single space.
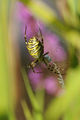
35 46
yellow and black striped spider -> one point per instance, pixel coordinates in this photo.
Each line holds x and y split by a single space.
36 50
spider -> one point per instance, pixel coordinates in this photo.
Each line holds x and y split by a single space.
36 50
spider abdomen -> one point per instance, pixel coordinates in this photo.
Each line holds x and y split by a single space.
35 48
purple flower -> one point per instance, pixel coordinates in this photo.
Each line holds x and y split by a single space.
26 18
52 45
50 85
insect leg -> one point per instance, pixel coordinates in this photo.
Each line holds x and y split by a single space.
25 35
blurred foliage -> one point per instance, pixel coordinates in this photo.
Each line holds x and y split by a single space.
36 100
65 102
67 105
73 6
27 113
6 102
30 92
61 104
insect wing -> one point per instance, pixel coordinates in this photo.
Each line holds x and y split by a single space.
48 58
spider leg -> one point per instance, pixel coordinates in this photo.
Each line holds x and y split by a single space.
42 40
46 53
39 37
32 65
25 37
32 68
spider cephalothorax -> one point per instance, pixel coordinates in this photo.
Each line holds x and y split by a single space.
35 46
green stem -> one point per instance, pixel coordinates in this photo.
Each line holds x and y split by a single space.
40 98
26 110
31 95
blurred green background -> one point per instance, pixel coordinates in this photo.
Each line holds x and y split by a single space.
61 17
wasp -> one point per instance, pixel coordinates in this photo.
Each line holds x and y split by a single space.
35 46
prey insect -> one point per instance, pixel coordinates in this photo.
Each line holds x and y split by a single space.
35 47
